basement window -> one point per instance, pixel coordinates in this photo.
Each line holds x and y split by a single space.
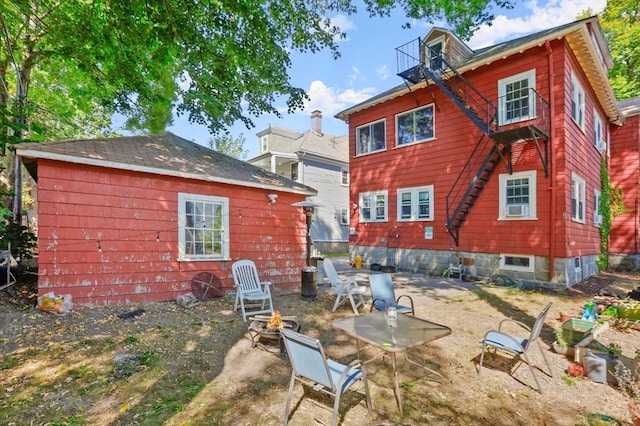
516 262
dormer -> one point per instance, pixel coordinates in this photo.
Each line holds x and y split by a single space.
442 43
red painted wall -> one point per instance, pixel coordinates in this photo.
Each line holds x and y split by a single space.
624 167
133 218
439 161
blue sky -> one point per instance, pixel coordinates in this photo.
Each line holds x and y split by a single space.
368 64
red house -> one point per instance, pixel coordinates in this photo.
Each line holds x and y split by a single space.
624 168
491 155
133 219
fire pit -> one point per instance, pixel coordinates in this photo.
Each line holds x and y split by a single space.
269 338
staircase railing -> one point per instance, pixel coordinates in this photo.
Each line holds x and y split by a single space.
535 112
469 99
469 173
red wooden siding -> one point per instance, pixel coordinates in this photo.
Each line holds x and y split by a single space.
109 236
438 162
623 169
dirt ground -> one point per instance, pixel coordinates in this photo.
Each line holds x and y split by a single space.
197 366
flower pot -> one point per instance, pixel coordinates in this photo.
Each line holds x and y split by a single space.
562 350
565 316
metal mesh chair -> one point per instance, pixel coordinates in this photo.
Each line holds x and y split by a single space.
517 345
312 368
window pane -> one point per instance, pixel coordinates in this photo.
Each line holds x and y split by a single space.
517 191
380 207
405 129
379 135
366 208
424 124
517 100
435 56
405 209
423 205
415 126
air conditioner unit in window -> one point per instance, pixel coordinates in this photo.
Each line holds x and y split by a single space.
601 145
597 219
517 210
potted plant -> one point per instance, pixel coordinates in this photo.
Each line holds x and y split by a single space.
561 345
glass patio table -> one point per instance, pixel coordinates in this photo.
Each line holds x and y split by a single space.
374 329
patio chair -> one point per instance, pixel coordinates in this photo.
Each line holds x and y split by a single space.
312 368
345 290
383 295
517 345
250 291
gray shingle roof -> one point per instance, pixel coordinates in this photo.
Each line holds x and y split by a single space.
165 154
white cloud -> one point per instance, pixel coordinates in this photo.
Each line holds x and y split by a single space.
345 24
353 77
536 16
383 72
331 100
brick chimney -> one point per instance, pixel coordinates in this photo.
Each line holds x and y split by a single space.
316 122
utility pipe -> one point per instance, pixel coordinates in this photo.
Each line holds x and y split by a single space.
552 165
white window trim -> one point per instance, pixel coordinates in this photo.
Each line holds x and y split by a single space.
438 40
342 172
182 199
582 197
502 92
507 267
599 139
502 205
578 97
597 217
373 195
370 143
433 115
414 203
264 144
344 216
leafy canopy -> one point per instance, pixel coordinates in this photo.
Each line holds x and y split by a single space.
215 61
621 24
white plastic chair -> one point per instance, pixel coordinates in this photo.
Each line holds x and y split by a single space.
517 345
348 290
249 288
312 368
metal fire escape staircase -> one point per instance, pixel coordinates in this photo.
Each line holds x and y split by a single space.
495 144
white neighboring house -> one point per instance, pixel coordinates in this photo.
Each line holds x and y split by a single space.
319 160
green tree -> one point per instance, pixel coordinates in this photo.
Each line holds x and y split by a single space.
621 24
217 62
227 144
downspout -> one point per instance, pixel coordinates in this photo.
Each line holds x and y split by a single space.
552 166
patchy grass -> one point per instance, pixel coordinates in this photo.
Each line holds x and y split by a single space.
197 367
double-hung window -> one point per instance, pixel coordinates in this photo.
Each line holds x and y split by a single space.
578 193
435 52
577 101
344 176
415 203
415 126
599 138
344 216
373 206
517 196
203 227
294 171
371 137
597 216
517 97
264 144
